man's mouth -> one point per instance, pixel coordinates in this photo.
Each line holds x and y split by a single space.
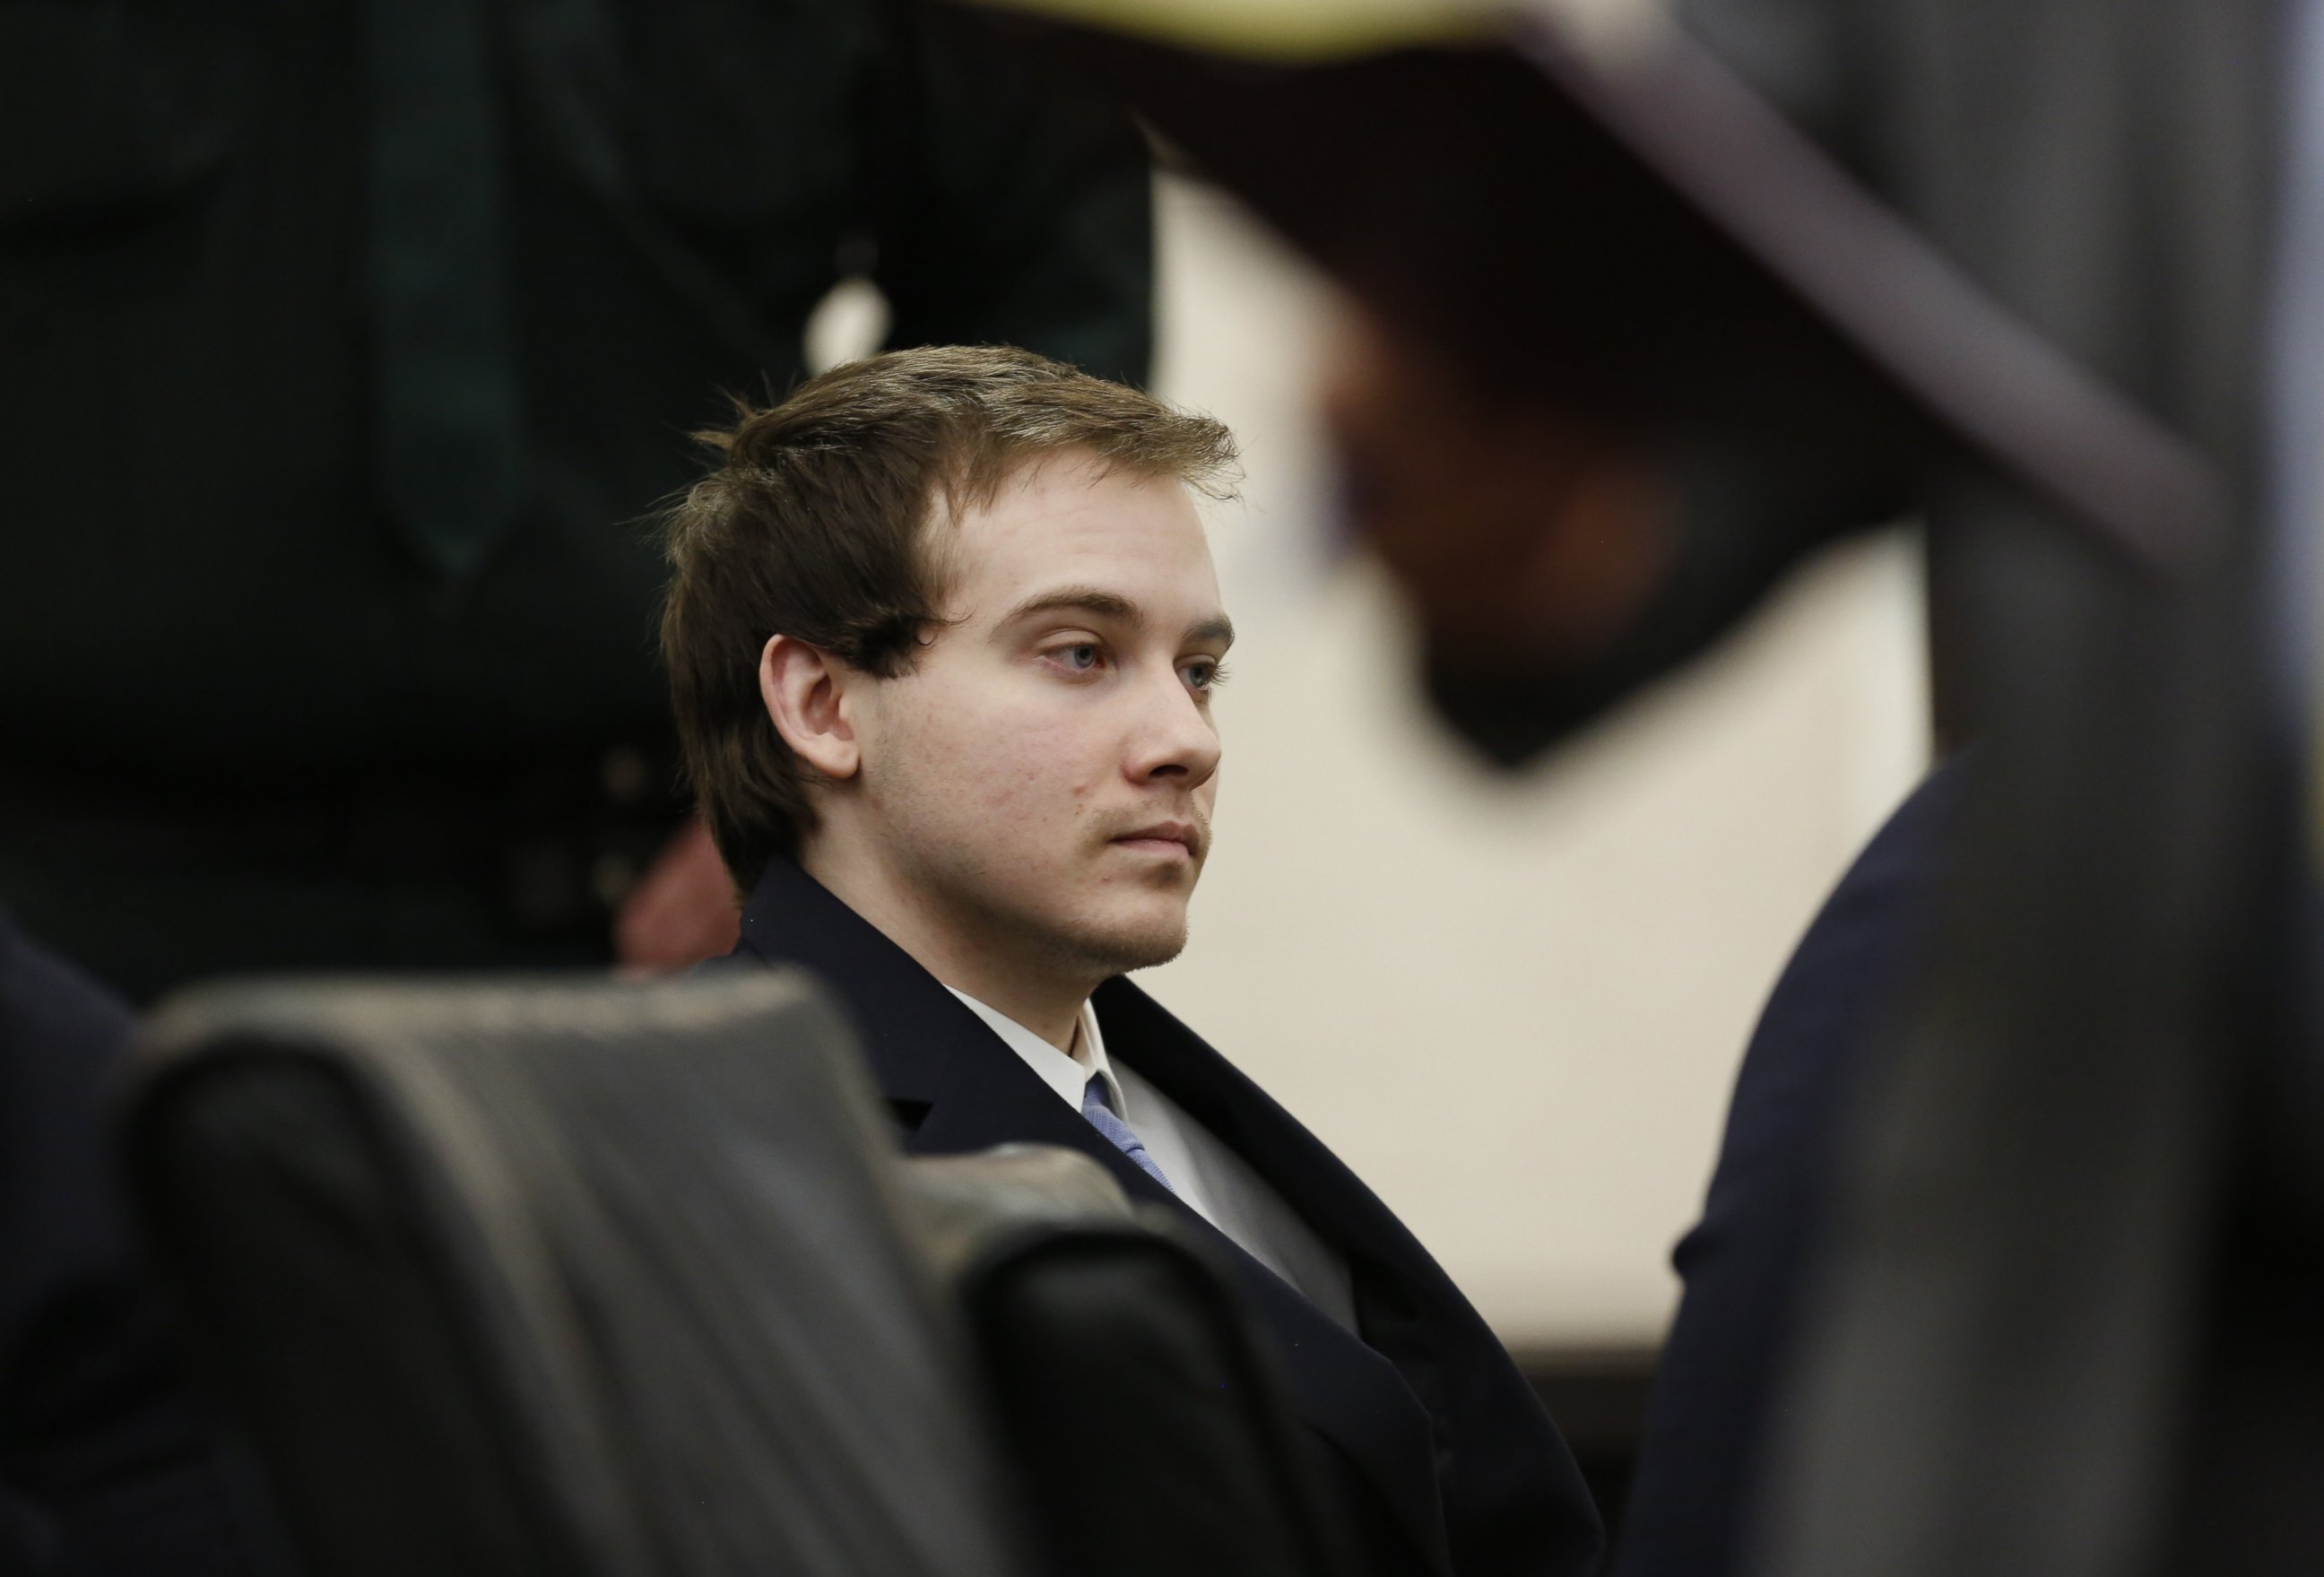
1166 839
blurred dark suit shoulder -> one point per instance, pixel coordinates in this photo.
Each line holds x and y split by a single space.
107 1466
1749 1263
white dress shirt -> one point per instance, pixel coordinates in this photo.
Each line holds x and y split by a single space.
1209 1179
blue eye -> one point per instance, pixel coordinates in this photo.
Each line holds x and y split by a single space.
1081 658
1205 674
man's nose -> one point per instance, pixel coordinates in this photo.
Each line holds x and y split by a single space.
1175 738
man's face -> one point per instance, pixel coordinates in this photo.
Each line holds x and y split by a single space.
1045 773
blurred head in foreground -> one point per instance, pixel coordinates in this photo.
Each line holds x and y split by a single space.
1563 552
943 629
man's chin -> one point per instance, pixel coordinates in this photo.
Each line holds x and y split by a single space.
1123 946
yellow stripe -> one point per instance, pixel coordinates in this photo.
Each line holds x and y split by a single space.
1288 30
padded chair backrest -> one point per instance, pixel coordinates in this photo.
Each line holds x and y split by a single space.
568 1278
1137 1404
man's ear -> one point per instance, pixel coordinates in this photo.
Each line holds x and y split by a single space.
804 689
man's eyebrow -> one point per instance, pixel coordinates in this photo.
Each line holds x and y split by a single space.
1106 604
1087 599
1219 630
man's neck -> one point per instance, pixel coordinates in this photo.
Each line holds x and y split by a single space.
969 958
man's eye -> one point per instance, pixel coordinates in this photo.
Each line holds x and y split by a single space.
1204 675
1081 658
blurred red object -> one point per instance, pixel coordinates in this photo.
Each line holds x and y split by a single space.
682 911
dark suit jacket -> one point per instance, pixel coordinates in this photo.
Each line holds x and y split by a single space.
107 1466
1442 1453
1750 1262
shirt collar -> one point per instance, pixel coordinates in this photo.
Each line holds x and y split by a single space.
1061 1072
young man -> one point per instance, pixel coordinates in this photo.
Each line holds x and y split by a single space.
944 638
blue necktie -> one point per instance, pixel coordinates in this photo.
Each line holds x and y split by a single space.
1100 1113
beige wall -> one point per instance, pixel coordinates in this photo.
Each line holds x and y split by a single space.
1513 1004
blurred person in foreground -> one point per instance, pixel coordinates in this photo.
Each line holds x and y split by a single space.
2110 175
110 1466
944 638
346 349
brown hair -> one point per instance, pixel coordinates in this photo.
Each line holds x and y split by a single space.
812 525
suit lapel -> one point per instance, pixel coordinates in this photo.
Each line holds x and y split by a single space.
955 1086
1348 1393
1393 1427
